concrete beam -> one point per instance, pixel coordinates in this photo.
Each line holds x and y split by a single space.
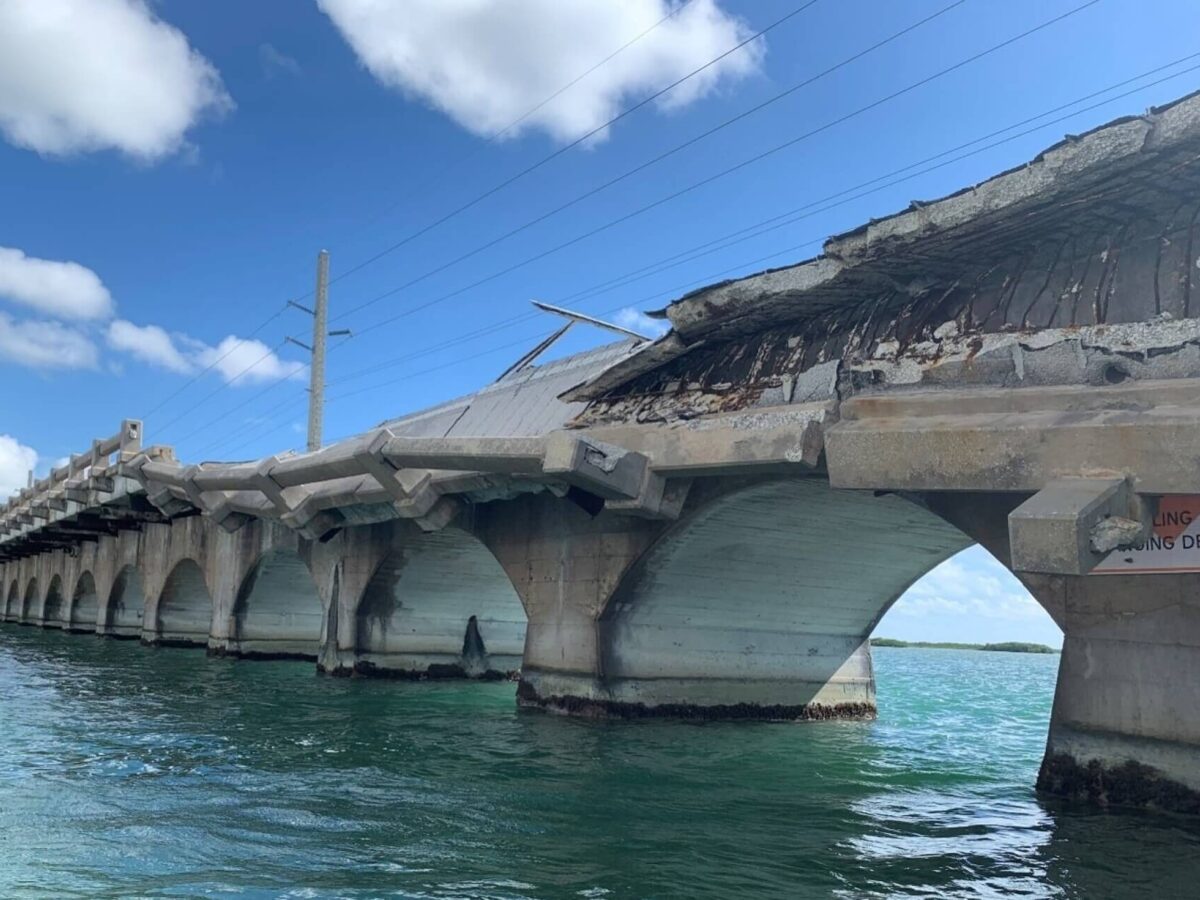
1052 532
769 439
1012 442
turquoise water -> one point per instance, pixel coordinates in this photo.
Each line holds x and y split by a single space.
129 772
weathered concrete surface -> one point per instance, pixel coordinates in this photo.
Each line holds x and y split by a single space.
439 604
711 525
1125 727
1054 530
757 603
1010 281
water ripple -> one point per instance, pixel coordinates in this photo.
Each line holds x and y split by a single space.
128 772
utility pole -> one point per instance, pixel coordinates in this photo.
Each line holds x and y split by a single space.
316 384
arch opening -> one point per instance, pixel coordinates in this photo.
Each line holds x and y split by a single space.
54 610
441 606
85 604
970 599
126 604
29 602
278 613
761 601
184 607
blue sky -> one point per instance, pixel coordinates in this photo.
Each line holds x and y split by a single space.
170 170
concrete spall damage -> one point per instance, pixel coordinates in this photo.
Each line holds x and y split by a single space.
710 525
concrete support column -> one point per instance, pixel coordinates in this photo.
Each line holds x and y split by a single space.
343 567
1125 728
565 566
118 586
229 560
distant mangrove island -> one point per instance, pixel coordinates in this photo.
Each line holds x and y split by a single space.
1006 647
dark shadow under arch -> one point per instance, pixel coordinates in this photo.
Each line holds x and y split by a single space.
442 605
29 601
54 607
184 607
766 596
126 604
85 604
278 613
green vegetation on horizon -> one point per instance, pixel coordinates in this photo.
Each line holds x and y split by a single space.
1006 647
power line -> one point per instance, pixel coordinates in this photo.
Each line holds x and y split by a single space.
786 218
183 415
708 279
496 135
612 223
567 147
579 198
217 361
674 11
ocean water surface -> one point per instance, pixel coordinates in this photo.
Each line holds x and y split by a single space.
131 772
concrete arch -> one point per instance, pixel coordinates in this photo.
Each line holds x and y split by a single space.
29 601
12 601
440 604
184 607
54 606
84 610
767 595
126 604
278 611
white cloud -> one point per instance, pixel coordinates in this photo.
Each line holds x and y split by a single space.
970 584
275 62
149 343
82 75
45 345
636 320
247 362
486 64
238 361
15 462
62 289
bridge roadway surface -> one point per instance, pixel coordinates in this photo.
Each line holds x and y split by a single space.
711 524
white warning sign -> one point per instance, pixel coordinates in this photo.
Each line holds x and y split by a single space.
1173 545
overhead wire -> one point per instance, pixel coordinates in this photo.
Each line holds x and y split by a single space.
230 381
641 210
476 146
674 11
479 198
777 224
655 160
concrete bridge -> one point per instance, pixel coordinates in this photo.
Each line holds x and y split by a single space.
711 524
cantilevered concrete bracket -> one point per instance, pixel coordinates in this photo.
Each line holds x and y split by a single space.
413 496
1067 527
309 521
158 479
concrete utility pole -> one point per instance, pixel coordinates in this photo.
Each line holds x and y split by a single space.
316 385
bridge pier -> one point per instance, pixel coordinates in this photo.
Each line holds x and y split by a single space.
757 603
1124 728
122 600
